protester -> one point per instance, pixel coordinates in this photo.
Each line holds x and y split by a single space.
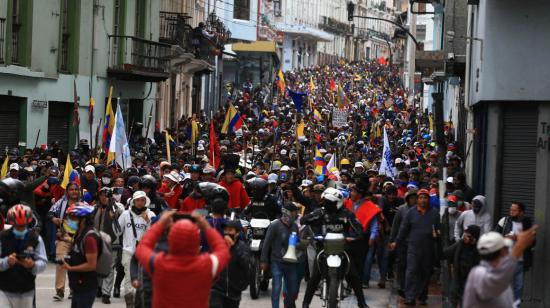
182 275
22 257
478 215
489 284
509 227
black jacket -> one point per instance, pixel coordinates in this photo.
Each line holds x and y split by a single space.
506 228
341 221
234 278
463 258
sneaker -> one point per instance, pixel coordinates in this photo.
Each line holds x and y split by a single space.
116 292
105 299
58 295
70 295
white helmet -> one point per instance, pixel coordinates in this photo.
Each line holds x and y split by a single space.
333 195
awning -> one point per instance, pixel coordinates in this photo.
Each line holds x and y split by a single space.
258 46
306 32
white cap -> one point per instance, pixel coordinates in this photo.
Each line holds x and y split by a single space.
208 169
14 166
450 179
490 242
359 165
141 194
272 178
398 160
306 183
285 168
173 176
89 168
201 142
323 151
200 147
283 152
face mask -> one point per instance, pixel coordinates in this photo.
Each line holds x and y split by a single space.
515 218
106 180
137 210
117 197
452 210
20 234
73 224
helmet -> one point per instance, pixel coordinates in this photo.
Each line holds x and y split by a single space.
211 191
82 209
276 166
19 215
333 196
256 188
344 161
195 168
133 180
148 181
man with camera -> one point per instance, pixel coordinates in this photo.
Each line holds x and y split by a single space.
22 257
106 216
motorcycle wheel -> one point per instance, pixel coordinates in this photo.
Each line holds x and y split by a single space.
255 276
333 296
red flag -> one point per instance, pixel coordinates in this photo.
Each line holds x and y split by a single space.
366 212
214 155
332 85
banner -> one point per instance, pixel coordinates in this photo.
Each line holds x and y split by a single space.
339 117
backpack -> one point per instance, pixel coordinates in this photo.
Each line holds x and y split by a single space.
105 253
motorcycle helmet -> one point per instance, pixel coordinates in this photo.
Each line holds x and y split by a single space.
148 181
133 180
333 198
82 209
211 191
256 188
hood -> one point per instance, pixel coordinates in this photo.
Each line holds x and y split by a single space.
184 231
482 200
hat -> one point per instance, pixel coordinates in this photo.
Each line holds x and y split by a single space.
14 166
474 231
164 164
283 152
459 194
89 168
208 170
450 179
200 147
490 242
141 194
424 192
398 161
452 198
410 193
359 165
285 168
172 176
272 178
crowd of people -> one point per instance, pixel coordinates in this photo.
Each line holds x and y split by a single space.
171 229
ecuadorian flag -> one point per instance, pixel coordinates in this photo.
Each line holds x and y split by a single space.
70 175
233 120
320 165
317 115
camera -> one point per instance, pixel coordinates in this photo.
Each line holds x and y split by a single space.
65 258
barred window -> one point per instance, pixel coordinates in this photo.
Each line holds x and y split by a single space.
277 5
241 9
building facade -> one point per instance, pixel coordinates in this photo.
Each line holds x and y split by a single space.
47 48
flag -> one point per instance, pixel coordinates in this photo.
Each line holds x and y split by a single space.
332 85
300 130
232 121
339 95
4 171
366 212
70 175
91 110
386 167
317 115
281 82
320 165
119 150
194 131
109 123
76 118
431 124
214 156
332 163
298 99
311 85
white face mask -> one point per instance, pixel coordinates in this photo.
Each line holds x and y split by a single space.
106 180
452 210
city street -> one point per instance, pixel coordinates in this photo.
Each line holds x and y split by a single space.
44 288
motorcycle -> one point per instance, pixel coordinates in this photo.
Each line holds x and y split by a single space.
259 281
334 264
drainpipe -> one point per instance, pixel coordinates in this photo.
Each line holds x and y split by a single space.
469 163
92 46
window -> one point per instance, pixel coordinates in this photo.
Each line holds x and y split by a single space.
140 18
241 9
65 34
277 8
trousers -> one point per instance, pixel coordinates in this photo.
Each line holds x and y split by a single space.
62 249
288 272
419 270
17 300
108 282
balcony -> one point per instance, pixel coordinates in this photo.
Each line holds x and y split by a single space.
137 59
2 35
334 26
174 28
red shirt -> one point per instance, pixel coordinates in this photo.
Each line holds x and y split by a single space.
172 200
190 204
238 198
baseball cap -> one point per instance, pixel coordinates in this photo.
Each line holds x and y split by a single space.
423 192
359 165
208 170
490 242
14 166
285 168
89 168
450 179
272 178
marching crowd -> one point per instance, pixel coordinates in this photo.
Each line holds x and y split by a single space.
170 229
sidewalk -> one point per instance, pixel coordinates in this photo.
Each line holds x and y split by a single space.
435 299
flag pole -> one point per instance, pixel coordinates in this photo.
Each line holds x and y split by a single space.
167 147
297 141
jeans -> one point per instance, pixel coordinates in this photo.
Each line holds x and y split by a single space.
17 300
379 249
83 299
288 271
419 271
517 285
106 283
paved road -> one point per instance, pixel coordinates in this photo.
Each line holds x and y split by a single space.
376 298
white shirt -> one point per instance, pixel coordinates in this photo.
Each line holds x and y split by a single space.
129 241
